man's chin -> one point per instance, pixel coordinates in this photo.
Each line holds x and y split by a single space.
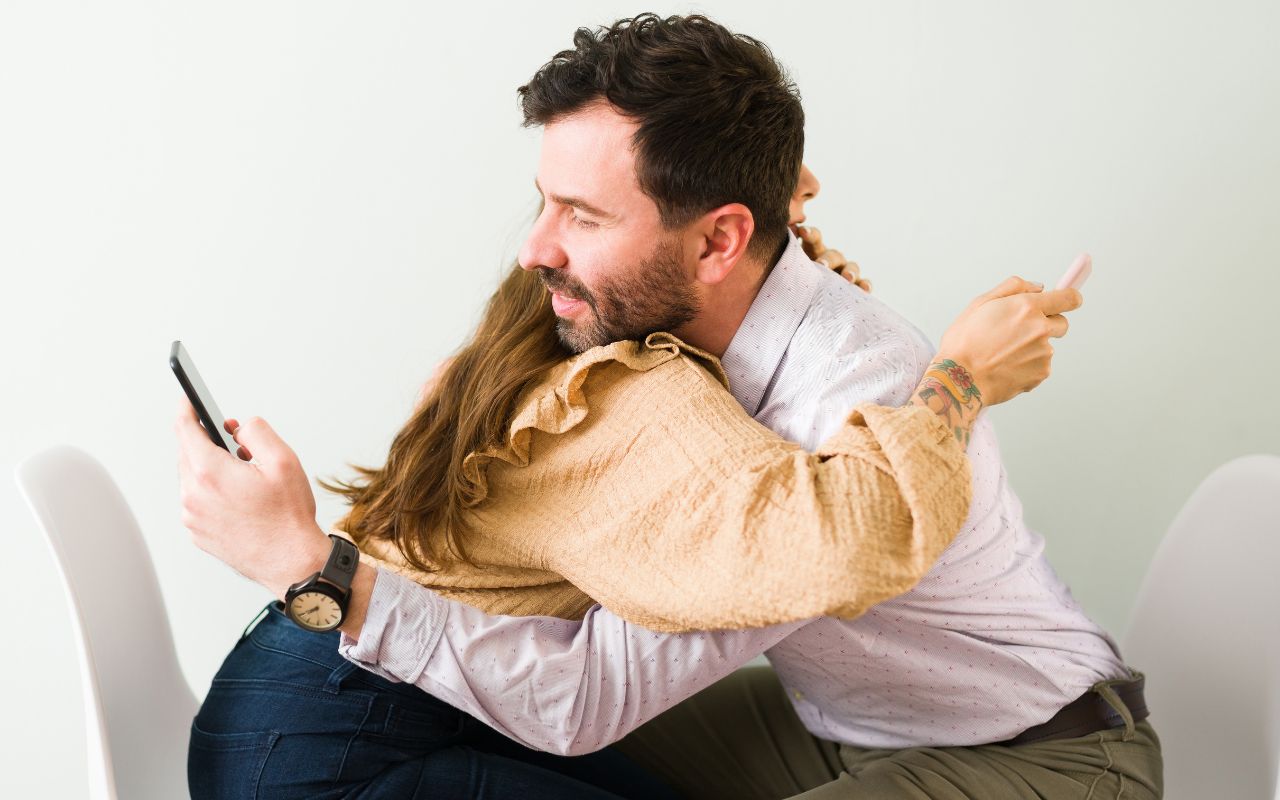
573 337
579 336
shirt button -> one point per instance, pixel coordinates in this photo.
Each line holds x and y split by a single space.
798 694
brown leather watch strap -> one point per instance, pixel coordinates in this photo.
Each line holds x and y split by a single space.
341 566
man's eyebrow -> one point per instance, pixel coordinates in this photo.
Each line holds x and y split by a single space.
575 202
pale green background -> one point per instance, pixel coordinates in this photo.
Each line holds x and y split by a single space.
317 197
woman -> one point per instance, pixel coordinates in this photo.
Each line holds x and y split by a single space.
444 508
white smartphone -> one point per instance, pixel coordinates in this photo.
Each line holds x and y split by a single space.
1077 273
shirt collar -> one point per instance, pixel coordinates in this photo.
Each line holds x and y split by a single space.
762 339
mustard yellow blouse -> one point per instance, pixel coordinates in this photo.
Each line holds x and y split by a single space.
632 478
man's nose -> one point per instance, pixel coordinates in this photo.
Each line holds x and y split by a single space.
541 248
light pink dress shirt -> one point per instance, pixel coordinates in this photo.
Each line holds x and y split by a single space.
988 644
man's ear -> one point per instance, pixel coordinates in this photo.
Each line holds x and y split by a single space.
725 233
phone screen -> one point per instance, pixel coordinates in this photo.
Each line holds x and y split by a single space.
207 410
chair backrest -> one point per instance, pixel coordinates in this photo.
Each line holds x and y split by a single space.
1206 630
138 706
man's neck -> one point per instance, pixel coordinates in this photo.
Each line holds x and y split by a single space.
724 309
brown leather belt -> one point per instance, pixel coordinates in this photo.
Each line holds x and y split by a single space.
1088 713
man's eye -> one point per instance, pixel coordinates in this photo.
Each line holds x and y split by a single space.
583 223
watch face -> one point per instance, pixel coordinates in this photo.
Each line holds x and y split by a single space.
316 611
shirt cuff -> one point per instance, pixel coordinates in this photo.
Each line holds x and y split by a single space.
402 627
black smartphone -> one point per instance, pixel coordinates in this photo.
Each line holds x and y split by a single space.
207 410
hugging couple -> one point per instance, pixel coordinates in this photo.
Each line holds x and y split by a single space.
674 443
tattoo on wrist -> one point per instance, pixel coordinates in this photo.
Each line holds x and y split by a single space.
947 390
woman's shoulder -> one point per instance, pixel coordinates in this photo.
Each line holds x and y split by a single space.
624 384
650 377
658 354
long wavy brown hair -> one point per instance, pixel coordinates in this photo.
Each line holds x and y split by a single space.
419 497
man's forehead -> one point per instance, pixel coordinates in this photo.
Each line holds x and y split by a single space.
597 127
588 154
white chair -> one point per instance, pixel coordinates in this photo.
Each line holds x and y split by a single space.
138 706
1206 630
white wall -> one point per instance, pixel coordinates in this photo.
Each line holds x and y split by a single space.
317 197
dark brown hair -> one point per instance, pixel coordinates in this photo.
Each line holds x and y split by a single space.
719 120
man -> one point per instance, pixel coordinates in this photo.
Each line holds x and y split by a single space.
670 151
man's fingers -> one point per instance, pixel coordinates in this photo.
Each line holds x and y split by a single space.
256 436
193 441
1011 286
1060 301
233 426
1057 326
184 464
199 459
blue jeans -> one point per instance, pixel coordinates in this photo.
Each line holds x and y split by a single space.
287 716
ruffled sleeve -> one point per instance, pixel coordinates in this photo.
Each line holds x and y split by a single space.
633 474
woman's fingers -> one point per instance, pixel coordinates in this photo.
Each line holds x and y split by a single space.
811 241
834 259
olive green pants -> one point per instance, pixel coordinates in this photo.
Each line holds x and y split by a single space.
741 738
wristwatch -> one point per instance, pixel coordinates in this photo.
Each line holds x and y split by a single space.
319 603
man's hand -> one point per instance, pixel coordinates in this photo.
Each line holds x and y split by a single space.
998 348
811 241
1002 338
260 517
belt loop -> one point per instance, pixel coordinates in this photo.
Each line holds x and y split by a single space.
334 684
1107 691
257 618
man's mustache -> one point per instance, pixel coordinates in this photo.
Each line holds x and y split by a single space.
564 285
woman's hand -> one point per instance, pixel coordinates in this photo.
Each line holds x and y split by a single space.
811 241
1002 338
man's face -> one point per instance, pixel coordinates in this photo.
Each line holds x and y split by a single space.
599 246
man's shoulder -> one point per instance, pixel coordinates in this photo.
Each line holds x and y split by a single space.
849 335
870 313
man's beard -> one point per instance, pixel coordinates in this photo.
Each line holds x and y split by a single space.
654 296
